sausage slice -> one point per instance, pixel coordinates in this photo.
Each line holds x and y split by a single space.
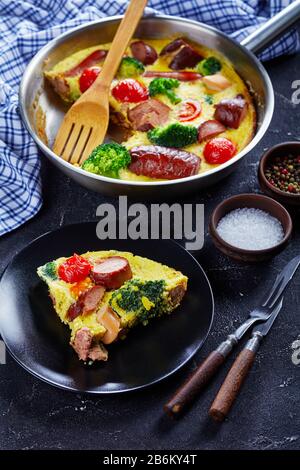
181 76
231 112
91 298
186 57
163 162
74 311
82 343
177 294
173 46
85 348
149 114
98 352
86 302
111 272
209 129
143 52
93 59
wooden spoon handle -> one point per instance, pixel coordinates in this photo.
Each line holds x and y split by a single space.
231 385
121 40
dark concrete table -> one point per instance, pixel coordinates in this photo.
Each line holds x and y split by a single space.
266 416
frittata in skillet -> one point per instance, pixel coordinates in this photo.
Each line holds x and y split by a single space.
183 106
101 295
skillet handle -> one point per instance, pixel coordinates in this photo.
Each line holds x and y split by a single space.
263 36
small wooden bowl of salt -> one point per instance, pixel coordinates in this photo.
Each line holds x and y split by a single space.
250 227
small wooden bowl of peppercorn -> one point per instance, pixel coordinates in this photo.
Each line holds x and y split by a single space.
279 173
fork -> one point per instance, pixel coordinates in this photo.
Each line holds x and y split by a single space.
208 368
86 122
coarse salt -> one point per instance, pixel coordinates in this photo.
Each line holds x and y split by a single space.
250 229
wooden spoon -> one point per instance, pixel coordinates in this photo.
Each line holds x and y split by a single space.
85 124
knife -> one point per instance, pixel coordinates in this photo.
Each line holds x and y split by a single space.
240 368
184 396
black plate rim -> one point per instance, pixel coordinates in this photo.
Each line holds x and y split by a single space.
110 392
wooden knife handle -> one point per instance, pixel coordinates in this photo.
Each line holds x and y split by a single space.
194 384
231 385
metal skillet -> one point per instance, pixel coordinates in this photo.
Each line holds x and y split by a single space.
42 111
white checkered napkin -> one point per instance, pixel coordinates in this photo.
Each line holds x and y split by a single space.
27 25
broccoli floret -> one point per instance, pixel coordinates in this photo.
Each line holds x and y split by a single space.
130 67
209 66
164 86
139 300
174 135
107 160
49 270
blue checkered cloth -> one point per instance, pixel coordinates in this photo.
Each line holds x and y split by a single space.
27 25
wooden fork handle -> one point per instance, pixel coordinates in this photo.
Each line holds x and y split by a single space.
194 384
120 42
232 384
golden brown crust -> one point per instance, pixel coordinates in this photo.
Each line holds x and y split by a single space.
60 86
252 108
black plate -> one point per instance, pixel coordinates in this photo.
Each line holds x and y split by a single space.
38 340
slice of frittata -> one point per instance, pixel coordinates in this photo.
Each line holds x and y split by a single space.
101 295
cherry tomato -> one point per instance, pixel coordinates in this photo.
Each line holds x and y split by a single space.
189 110
130 91
219 150
74 269
88 77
